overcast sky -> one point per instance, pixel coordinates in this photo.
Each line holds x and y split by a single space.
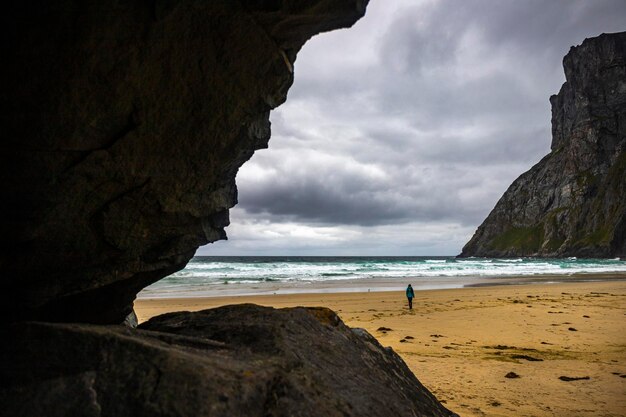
400 134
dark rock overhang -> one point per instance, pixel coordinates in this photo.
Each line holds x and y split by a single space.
124 126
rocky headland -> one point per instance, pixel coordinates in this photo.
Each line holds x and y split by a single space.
573 202
124 125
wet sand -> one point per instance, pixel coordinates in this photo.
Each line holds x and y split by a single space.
462 343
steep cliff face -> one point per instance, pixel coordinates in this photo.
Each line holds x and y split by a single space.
124 124
573 202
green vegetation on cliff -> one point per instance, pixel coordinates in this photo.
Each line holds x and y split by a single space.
522 240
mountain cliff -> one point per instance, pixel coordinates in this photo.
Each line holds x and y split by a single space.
573 202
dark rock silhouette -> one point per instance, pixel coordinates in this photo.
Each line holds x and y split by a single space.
231 361
573 202
124 124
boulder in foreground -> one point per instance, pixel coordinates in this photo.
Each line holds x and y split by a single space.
231 361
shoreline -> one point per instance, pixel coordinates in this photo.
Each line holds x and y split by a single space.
460 343
374 285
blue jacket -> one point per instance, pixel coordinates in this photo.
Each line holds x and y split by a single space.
409 292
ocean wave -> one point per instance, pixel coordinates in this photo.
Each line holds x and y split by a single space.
206 272
337 274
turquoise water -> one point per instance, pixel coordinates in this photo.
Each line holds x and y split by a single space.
214 276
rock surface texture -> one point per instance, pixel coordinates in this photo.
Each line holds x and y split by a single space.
124 125
232 361
573 202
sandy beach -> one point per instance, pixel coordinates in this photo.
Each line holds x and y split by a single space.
487 351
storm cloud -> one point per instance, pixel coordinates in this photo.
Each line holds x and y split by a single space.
400 134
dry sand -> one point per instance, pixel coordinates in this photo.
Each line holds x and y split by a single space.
461 343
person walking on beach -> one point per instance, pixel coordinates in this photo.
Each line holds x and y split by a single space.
410 295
